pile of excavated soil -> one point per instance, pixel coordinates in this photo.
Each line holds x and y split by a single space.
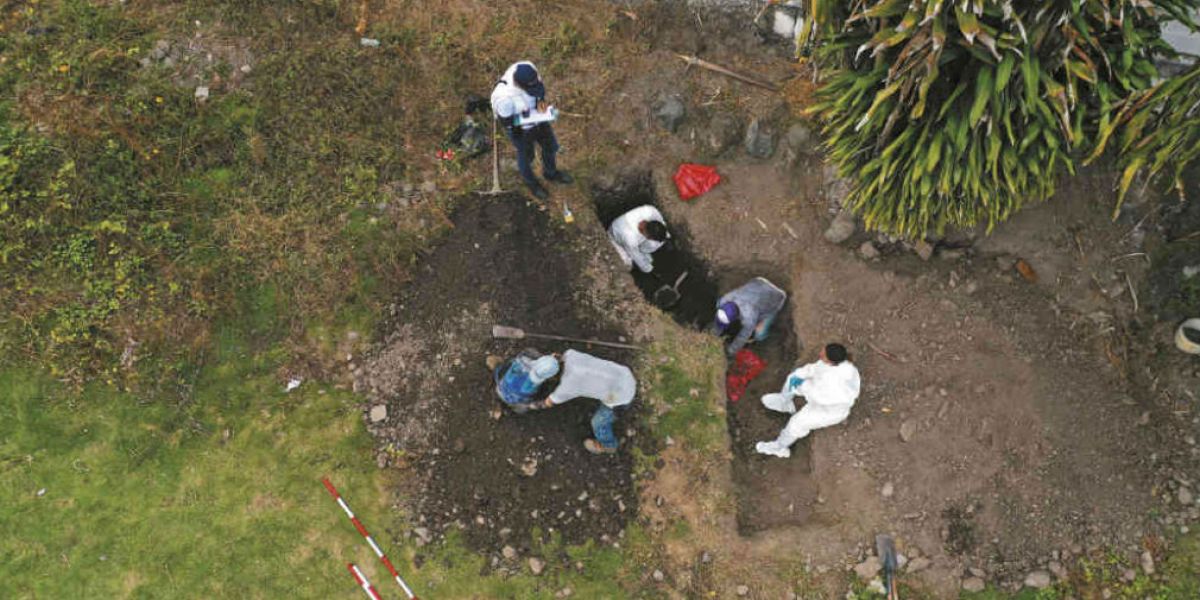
496 479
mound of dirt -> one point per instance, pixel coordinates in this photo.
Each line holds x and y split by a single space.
496 479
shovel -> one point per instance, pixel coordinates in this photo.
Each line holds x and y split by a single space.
504 332
496 190
666 296
885 549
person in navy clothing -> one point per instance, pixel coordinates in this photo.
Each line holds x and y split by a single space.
519 92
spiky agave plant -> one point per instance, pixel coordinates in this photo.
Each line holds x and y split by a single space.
961 112
1159 131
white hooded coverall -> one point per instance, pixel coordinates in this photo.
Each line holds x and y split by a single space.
829 391
635 248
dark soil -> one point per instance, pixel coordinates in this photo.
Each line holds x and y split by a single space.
503 263
762 502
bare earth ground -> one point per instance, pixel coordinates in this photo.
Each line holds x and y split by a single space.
1027 443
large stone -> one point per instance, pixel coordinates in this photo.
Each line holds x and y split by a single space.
800 139
1038 579
923 249
722 134
868 568
509 553
869 252
378 413
536 565
918 564
1185 497
907 430
973 584
842 227
760 140
1148 562
669 112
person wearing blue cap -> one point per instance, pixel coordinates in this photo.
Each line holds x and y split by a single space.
518 379
750 309
519 92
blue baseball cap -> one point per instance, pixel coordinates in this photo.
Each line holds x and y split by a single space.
727 314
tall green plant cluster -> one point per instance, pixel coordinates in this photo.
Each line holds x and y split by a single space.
1159 131
959 113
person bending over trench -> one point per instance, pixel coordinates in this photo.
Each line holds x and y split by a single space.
829 386
637 234
584 375
752 307
519 378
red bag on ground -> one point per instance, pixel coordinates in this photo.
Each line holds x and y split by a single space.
746 366
693 180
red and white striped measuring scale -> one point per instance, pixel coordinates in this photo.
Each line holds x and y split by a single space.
362 581
370 541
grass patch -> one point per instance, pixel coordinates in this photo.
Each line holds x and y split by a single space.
685 403
214 495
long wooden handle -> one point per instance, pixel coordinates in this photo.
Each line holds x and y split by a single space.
581 341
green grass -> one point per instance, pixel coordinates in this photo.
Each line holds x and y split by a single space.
146 497
685 400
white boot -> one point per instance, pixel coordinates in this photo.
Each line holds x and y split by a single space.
780 403
772 449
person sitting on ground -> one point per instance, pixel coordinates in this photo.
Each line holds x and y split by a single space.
519 92
586 376
829 386
751 307
637 234
519 378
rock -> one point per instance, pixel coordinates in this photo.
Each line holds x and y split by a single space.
973 584
509 553
202 93
658 575
161 48
923 249
918 564
977 572
722 134
742 590
536 565
669 112
1185 497
868 250
378 413
760 141
423 536
907 430
563 593
1128 575
799 138
1057 569
842 227
888 490
705 557
1147 562
868 569
1038 579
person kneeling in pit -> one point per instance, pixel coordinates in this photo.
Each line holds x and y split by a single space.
749 310
584 375
637 234
519 378
829 386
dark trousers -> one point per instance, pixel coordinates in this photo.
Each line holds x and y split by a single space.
524 140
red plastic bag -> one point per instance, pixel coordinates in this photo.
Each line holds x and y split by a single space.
746 366
693 180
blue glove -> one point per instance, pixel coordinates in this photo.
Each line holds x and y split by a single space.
795 382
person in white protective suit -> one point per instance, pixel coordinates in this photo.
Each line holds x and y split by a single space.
637 234
829 386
